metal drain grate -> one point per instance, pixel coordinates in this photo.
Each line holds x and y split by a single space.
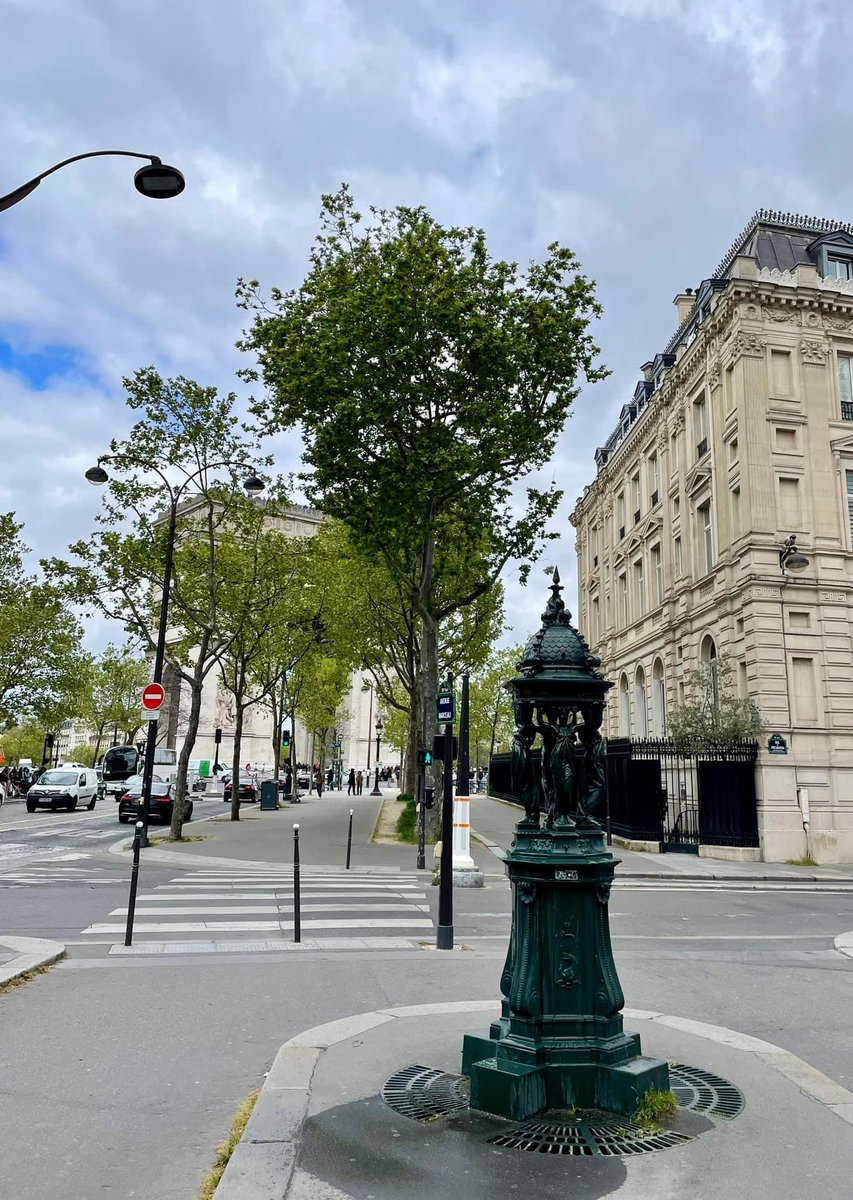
423 1093
700 1091
588 1135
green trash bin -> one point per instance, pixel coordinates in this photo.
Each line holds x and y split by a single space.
269 795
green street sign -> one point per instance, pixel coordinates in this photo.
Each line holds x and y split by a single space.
777 744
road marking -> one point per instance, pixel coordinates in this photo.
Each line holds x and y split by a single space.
237 926
264 910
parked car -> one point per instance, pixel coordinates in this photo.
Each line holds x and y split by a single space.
64 787
303 781
162 802
248 790
135 781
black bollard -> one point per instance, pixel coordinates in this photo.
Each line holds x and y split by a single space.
134 880
349 839
297 916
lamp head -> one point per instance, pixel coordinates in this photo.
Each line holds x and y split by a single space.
253 486
158 181
792 559
97 475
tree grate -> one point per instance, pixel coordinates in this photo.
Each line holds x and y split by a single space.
701 1091
588 1134
423 1093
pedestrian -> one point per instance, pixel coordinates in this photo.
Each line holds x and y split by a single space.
359 783
351 782
318 780
4 784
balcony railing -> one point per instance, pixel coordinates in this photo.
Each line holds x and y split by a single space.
702 448
846 410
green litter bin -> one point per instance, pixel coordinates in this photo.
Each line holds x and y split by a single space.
269 795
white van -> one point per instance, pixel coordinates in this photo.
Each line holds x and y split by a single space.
64 787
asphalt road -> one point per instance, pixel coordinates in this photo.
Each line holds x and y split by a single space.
118 1075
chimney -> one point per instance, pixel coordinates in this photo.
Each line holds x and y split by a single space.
685 302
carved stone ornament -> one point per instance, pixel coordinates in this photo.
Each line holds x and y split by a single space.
608 508
843 323
751 311
676 423
714 373
781 315
812 320
748 343
814 353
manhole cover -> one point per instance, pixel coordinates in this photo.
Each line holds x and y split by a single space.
700 1091
423 1093
587 1134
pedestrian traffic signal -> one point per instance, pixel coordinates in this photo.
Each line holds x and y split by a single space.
285 738
424 758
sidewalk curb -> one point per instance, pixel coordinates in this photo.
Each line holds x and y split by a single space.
32 954
263 1161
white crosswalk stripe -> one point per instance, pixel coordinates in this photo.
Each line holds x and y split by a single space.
42 874
340 910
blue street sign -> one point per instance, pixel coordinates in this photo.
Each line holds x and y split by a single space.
446 708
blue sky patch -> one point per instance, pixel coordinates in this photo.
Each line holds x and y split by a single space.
41 367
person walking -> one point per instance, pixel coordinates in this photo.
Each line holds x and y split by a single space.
359 783
351 782
318 783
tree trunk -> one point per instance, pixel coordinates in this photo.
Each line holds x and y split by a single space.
235 761
410 774
429 691
179 806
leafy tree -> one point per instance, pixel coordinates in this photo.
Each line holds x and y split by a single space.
41 660
713 715
264 602
188 445
427 379
118 676
491 704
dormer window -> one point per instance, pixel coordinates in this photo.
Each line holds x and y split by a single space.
839 268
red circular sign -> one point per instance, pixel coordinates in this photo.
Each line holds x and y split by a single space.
153 696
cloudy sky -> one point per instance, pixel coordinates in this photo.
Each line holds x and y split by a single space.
642 133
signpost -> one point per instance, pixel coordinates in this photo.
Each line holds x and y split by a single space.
153 696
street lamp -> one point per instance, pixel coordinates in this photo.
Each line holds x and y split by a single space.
157 180
98 476
367 686
379 728
791 558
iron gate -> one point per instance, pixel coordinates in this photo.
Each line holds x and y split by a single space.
681 800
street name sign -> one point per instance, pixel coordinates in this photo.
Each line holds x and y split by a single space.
445 706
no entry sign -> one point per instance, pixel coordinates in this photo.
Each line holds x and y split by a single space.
153 696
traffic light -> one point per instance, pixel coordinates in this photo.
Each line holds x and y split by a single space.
424 757
429 797
217 737
285 739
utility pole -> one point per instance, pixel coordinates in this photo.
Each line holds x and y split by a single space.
465 873
446 713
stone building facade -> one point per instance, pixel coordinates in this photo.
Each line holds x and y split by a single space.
739 434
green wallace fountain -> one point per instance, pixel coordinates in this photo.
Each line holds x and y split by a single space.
559 1042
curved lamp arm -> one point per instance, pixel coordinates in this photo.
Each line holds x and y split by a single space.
24 190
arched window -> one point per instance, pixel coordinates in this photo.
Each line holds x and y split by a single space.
624 707
658 699
640 711
708 654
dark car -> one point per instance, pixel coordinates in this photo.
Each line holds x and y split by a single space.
162 803
248 792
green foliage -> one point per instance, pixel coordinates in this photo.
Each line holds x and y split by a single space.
42 665
407 821
713 714
491 704
117 677
655 1107
23 741
805 861
427 379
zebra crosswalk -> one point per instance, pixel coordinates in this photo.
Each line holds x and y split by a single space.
252 909
39 874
